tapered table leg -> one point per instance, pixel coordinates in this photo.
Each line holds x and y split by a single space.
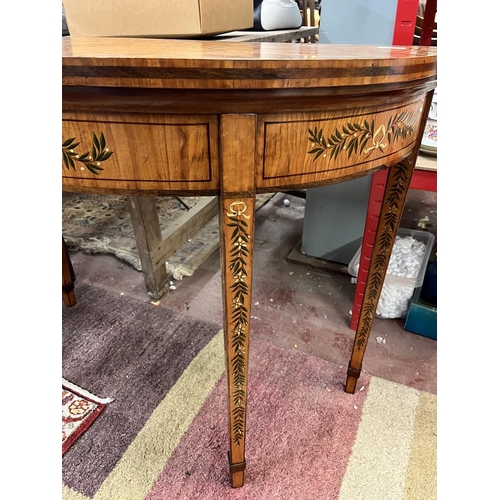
236 219
68 278
398 182
390 216
237 230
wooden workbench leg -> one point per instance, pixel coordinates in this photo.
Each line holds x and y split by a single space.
68 278
144 216
398 182
236 219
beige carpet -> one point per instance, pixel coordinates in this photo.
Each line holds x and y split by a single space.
102 224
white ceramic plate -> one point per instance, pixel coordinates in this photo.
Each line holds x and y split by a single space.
429 149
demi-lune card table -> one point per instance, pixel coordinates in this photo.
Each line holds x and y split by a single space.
156 117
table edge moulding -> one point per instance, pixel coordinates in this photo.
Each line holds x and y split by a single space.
149 117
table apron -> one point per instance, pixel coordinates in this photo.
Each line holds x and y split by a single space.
163 153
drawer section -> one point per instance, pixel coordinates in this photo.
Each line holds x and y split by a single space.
143 152
310 148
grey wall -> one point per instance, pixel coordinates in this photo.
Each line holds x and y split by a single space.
363 22
334 219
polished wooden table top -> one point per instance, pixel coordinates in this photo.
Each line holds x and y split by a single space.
209 65
146 117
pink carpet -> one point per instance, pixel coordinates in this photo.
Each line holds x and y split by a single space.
301 428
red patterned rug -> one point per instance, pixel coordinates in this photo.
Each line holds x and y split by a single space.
79 410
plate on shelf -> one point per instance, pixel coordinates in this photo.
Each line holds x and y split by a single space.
430 150
429 139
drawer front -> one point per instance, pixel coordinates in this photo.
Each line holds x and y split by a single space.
140 152
311 148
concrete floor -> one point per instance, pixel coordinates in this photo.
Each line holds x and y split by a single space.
293 305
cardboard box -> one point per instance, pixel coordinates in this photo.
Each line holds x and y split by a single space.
157 18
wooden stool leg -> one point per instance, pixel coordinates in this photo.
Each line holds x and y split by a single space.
398 182
68 278
236 220
144 216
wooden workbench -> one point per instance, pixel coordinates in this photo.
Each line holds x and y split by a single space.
148 118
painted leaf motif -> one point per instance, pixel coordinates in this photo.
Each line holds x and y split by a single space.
354 138
91 161
239 240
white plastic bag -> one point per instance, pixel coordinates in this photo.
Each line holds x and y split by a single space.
276 15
